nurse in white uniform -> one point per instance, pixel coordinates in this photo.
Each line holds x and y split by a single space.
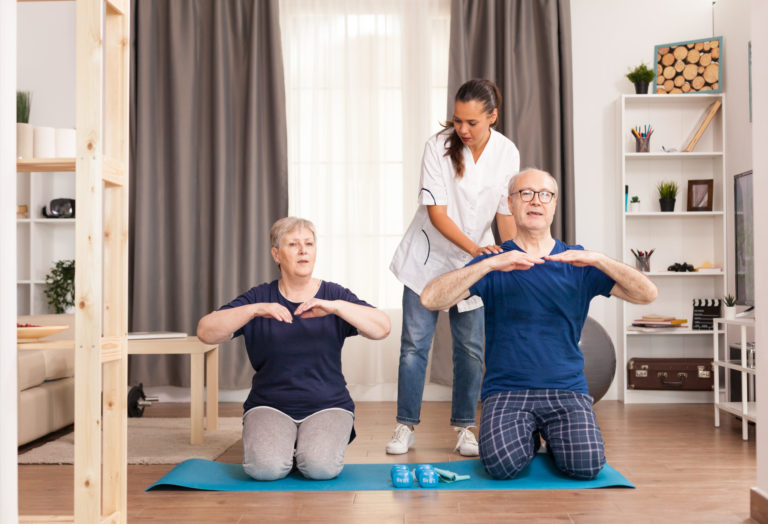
464 176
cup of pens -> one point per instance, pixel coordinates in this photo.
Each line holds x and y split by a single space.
642 138
643 260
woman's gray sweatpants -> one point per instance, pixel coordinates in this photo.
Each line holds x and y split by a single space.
270 436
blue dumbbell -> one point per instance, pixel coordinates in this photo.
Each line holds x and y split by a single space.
427 476
401 476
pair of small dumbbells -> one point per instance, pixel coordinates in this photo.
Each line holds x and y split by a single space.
402 476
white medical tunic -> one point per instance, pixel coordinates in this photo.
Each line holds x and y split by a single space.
472 203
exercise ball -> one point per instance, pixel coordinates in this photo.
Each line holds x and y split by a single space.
599 358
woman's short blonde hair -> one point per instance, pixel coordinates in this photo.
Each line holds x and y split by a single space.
286 225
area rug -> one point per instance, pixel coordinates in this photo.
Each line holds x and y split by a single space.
541 473
151 440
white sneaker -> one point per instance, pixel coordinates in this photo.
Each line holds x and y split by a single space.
466 445
401 440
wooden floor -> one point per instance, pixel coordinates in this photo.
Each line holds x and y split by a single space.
685 470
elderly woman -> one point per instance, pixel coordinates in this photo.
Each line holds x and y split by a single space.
294 330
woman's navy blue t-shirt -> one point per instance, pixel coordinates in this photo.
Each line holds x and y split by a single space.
298 365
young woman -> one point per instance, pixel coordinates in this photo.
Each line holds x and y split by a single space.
464 176
294 329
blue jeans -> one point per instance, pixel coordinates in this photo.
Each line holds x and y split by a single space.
467 331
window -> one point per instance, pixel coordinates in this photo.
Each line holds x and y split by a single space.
365 87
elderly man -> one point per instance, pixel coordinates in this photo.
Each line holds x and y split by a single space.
536 295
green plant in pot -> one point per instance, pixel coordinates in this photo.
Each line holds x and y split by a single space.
24 130
641 76
729 301
667 195
60 286
634 204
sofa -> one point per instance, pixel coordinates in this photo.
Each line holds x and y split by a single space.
46 383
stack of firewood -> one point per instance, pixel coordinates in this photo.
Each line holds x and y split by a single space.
688 67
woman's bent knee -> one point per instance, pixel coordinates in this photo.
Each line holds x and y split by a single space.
319 469
267 468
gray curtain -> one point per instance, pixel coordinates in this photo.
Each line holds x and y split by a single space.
525 47
208 168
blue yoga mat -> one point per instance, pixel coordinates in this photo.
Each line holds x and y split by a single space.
541 473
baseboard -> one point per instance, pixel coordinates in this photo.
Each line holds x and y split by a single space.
758 505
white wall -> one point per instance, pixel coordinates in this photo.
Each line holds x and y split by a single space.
759 15
609 36
8 435
732 22
46 61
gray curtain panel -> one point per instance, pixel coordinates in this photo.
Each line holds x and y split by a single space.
525 47
208 168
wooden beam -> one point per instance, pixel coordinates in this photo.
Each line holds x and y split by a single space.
45 165
88 256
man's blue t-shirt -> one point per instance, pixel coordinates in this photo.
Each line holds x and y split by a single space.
533 322
298 365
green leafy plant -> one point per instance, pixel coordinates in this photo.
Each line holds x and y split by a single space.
23 106
667 190
729 300
634 200
60 285
641 73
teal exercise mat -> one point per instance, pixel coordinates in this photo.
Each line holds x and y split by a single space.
541 473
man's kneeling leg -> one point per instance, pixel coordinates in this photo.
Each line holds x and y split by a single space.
573 437
506 435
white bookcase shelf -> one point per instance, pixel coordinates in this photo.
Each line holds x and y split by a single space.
745 365
41 241
678 236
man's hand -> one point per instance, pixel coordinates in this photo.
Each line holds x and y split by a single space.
577 257
512 261
315 308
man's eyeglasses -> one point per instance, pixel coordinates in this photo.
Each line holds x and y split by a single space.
526 195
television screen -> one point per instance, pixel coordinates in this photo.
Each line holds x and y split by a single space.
744 245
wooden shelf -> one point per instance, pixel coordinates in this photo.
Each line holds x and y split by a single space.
42 165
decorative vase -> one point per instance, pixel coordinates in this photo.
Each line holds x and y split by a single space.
25 138
634 207
730 312
667 204
641 88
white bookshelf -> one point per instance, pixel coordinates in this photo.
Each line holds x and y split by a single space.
680 236
41 241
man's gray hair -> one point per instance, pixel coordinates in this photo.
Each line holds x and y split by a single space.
286 225
527 170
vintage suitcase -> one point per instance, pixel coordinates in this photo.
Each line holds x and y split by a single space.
689 374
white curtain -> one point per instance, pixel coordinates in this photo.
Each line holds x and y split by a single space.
365 87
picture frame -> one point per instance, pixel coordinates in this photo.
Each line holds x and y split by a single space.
700 195
693 66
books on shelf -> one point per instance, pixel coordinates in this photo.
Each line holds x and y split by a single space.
655 321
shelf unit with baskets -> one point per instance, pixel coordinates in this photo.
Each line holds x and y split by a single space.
694 237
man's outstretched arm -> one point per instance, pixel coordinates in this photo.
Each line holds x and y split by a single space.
631 285
450 288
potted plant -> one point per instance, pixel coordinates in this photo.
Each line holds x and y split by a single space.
729 301
667 195
641 76
24 130
60 286
634 204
